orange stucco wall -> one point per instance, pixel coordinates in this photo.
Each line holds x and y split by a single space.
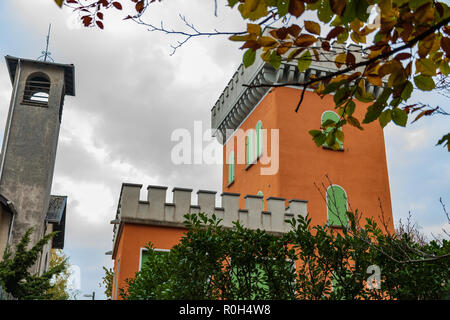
133 238
361 169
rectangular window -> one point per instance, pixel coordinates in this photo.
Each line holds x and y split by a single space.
144 255
258 272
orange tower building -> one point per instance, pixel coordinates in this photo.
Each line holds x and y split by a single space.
272 169
268 150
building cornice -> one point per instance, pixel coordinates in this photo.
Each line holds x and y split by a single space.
238 100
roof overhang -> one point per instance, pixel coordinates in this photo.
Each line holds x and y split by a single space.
7 205
69 71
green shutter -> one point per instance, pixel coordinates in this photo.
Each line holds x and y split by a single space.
259 138
331 115
247 150
250 147
337 206
231 167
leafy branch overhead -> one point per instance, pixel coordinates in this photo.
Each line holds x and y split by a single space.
406 47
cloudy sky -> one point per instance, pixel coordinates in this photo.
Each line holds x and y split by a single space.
131 94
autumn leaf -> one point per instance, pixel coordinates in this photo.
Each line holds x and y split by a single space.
312 27
294 30
335 32
118 6
445 43
99 24
305 40
296 7
340 59
337 6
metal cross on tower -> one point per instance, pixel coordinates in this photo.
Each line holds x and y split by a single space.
46 54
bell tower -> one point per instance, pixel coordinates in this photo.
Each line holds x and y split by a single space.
30 140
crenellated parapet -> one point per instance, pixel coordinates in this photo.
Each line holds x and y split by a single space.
238 100
156 211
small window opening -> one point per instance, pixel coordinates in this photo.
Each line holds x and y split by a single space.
37 89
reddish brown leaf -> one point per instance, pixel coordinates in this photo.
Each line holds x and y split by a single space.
337 6
296 8
440 8
281 33
86 20
445 44
140 6
118 6
402 56
100 15
350 60
335 32
251 44
326 45
305 40
99 24
294 30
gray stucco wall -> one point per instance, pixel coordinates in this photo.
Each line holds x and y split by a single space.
29 149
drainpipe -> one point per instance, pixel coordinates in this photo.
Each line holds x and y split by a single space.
11 108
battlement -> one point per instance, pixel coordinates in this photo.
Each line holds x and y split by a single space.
156 211
237 101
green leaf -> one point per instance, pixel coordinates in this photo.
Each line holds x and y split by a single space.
275 60
332 87
445 68
361 10
304 61
424 83
340 95
399 116
385 117
373 112
318 137
283 7
407 90
445 141
324 13
232 3
354 122
368 97
414 4
378 37
426 67
249 57
349 12
350 107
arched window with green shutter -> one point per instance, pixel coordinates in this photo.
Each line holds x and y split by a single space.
332 116
337 206
259 139
250 147
231 167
